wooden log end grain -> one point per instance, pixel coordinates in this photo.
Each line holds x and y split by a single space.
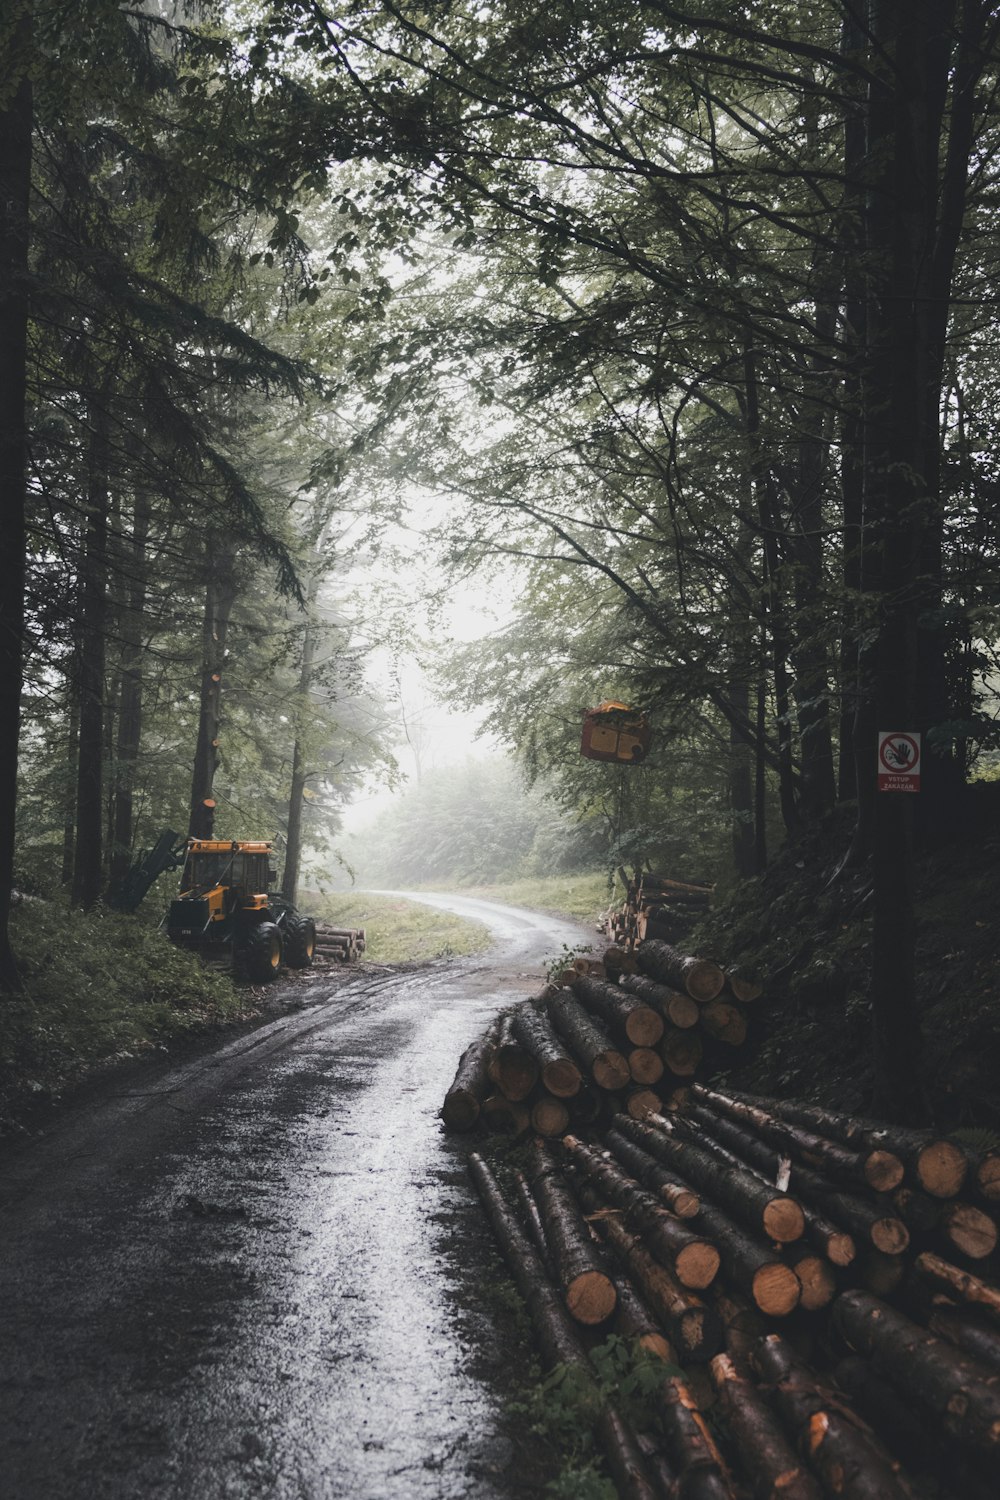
645 1065
610 1071
883 1171
591 1297
784 1220
890 1235
988 1176
549 1116
562 1077
776 1289
642 1102
941 1167
817 1279
696 1265
969 1230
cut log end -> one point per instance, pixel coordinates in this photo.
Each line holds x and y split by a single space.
697 1265
591 1297
841 1249
970 1231
776 1289
891 1236
883 1171
562 1078
611 1071
941 1167
460 1110
784 1221
682 1202
988 1177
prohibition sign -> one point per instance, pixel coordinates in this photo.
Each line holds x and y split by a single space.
899 762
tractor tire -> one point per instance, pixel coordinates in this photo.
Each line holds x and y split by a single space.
263 952
300 942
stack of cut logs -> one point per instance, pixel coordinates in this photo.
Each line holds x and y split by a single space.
655 907
625 1033
828 1271
820 1289
342 945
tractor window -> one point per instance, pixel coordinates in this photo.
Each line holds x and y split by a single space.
203 871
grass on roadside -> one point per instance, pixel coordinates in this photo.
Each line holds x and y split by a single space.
580 896
98 987
398 930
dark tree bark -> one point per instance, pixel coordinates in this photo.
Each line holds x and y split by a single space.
129 733
220 595
15 187
300 769
88 864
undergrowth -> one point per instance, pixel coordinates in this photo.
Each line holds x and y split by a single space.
98 987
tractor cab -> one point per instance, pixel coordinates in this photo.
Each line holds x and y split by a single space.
225 903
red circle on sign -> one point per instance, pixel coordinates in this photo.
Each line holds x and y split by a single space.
908 767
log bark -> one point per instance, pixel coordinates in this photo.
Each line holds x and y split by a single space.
766 1456
960 1394
559 1073
831 1241
848 1461
640 1022
557 1337
532 1219
958 1283
935 1164
636 1323
589 1043
588 1289
878 1273
698 977
693 1452
892 1418
512 1067
690 1257
470 1086
674 1192
676 1008
740 1192
872 1168
968 1333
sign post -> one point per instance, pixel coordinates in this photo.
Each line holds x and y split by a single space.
898 761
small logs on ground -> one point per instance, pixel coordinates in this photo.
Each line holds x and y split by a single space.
589 1290
675 1007
559 1339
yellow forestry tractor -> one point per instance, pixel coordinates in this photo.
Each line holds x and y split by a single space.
226 907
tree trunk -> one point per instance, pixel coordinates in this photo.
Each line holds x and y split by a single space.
220 595
300 769
15 186
130 697
88 869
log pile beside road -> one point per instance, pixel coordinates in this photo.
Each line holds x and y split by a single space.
655 906
825 1285
343 945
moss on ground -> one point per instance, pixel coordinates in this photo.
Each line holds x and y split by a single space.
99 988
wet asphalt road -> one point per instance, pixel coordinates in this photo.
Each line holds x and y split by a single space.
259 1273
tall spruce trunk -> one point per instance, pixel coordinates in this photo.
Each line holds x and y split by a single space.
220 595
906 120
129 734
88 870
15 187
300 769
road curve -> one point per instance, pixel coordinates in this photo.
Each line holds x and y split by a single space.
259 1273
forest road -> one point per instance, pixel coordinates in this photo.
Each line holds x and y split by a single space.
262 1272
